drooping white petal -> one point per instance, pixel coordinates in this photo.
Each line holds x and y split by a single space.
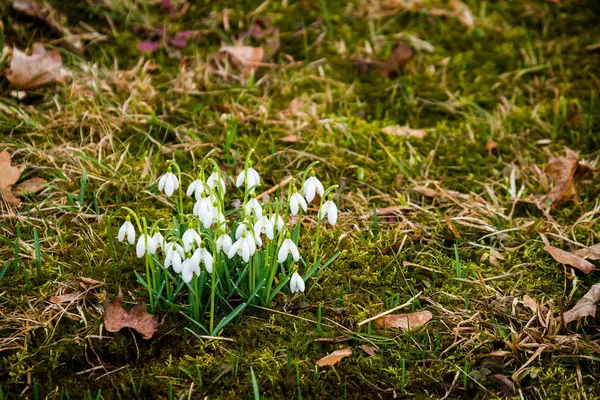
309 189
192 188
170 185
187 271
189 238
159 240
294 250
240 179
130 232
254 206
253 177
245 252
214 180
140 248
332 213
224 243
284 250
234 249
279 223
207 258
162 181
177 262
122 231
297 200
296 283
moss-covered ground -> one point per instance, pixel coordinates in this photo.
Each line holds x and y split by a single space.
432 214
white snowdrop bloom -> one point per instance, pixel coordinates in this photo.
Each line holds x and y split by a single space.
174 256
330 210
140 248
207 259
311 186
213 216
224 243
159 240
168 183
296 201
253 179
214 179
191 266
241 228
240 247
189 238
253 206
296 283
279 224
197 188
201 207
264 226
127 231
288 247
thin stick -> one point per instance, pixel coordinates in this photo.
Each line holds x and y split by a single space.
383 314
274 188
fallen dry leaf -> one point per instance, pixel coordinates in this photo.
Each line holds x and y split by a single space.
591 253
370 350
290 139
67 298
10 175
401 54
32 185
530 303
87 282
40 68
567 174
404 321
586 307
116 318
334 340
425 191
335 357
244 58
404 131
564 257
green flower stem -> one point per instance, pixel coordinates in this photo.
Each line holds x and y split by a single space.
318 236
214 284
173 162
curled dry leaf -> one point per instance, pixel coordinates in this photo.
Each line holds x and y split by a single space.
463 13
244 58
10 175
564 257
404 131
567 174
67 298
116 318
40 68
586 307
370 350
32 185
335 357
591 253
404 321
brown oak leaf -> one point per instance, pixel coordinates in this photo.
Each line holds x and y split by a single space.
335 357
40 68
404 321
564 257
567 173
585 307
116 318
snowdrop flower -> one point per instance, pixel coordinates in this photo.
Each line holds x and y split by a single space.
214 179
174 256
279 223
224 243
253 237
197 188
202 207
240 247
312 185
159 240
213 216
127 231
296 283
140 248
253 178
264 226
207 259
189 237
296 201
191 266
168 182
253 205
288 247
330 210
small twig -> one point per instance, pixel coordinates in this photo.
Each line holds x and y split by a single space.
274 188
383 314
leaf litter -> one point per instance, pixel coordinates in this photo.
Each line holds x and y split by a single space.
564 257
40 68
335 357
404 321
585 307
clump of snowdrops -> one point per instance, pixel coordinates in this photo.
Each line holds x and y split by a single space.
208 257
